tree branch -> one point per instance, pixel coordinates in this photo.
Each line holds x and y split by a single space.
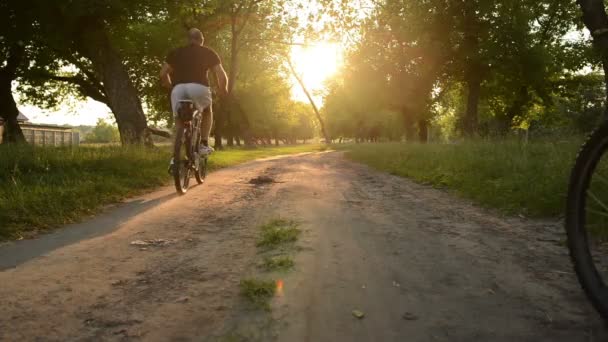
86 87
15 56
312 102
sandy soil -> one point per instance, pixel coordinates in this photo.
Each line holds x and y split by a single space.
422 265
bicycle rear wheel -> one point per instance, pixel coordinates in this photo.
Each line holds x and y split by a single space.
587 218
181 162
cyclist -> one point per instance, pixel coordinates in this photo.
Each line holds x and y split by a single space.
185 72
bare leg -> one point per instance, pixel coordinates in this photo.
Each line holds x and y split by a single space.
206 124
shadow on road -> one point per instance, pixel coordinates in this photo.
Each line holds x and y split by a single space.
18 252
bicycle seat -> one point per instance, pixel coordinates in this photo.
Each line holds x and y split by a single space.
185 110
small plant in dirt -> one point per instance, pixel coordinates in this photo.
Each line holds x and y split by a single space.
258 292
278 232
278 263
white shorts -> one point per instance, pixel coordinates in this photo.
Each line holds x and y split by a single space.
197 93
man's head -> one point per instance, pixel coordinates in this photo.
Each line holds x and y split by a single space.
195 36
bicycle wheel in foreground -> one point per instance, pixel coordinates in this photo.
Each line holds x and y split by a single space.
587 218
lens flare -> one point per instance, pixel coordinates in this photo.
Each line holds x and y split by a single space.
279 288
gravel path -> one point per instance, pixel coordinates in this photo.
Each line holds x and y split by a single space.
420 264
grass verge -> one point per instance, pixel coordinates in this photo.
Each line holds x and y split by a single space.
277 263
258 292
529 179
43 188
278 232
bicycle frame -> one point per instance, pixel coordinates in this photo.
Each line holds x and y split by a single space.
187 135
191 120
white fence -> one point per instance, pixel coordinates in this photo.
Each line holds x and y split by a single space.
50 137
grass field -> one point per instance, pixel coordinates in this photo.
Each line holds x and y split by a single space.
43 188
529 179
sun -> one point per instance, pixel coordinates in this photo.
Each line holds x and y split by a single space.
315 63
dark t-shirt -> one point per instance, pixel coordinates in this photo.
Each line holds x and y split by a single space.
191 63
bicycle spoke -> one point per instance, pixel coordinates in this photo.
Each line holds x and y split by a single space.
597 200
602 179
600 213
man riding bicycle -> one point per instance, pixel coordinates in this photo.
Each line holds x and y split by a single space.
185 72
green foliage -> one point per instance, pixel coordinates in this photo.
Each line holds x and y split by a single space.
103 132
278 232
409 64
529 179
277 263
258 292
420 59
43 188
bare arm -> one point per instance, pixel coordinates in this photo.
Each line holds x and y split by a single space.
222 79
165 78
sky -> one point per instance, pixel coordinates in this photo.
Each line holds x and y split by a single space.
82 113
315 64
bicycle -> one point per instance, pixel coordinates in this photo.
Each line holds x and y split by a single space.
187 160
587 218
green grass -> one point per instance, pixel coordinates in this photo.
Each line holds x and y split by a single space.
529 179
43 188
277 263
278 232
258 292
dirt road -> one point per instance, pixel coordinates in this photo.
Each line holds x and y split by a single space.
420 264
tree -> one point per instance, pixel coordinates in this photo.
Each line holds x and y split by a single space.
15 32
312 102
86 55
103 132
596 20
497 62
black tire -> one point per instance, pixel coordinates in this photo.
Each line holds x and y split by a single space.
201 173
181 163
200 165
576 219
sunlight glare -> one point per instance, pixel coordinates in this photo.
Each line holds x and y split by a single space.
315 63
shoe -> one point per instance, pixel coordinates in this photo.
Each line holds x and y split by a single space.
205 150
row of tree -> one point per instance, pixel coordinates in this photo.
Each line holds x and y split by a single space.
471 68
111 51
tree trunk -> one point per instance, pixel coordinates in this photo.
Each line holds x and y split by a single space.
408 121
605 67
217 131
423 130
473 72
238 140
276 141
229 140
312 102
122 96
232 77
517 108
12 133
471 115
596 20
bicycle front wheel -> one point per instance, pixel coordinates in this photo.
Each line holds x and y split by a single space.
201 172
587 218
